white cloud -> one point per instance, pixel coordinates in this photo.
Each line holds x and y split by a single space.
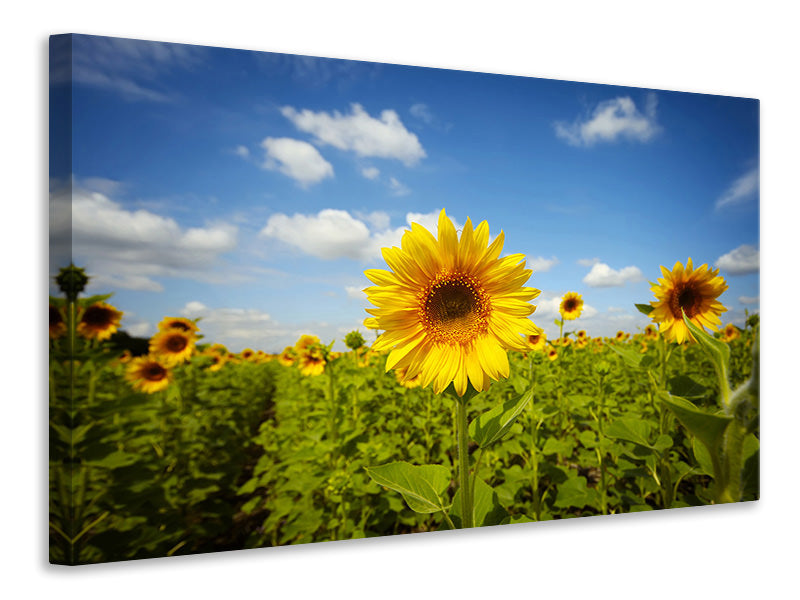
749 299
540 264
610 121
741 190
740 261
601 275
548 303
296 159
242 152
421 112
356 293
358 132
125 248
139 329
397 188
588 262
331 233
370 172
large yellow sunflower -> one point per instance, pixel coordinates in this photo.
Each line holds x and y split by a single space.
57 325
694 291
571 306
173 346
450 308
178 323
99 321
148 374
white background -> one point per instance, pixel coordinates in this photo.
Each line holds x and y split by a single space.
731 48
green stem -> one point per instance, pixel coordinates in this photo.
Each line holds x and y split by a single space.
463 464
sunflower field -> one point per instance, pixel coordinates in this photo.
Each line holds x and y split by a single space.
459 413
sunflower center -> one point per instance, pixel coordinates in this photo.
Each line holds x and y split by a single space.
454 308
570 305
685 298
97 316
176 343
154 372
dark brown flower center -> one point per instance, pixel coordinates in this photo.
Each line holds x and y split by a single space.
454 308
154 372
685 297
176 343
98 316
570 304
178 325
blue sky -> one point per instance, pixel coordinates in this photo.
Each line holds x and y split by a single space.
253 189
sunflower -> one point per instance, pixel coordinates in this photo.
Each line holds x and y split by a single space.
247 354
581 335
287 357
148 374
650 332
217 362
174 346
582 342
552 353
692 291
305 342
99 321
643 347
186 325
410 382
451 308
571 306
730 333
537 341
621 336
57 325
311 362
563 341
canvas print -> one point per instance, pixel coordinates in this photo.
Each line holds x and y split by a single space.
298 299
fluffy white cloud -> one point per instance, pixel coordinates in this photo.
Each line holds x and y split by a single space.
370 172
539 264
331 233
749 299
740 261
127 248
610 121
358 132
296 159
601 275
741 190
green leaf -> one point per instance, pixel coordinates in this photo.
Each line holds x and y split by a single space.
645 309
422 487
630 430
718 351
486 508
632 359
575 493
686 387
495 423
707 427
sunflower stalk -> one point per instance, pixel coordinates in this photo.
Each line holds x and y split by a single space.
463 464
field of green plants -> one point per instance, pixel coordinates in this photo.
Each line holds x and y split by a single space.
220 451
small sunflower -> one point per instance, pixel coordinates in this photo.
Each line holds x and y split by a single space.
311 362
217 362
305 342
571 306
450 308
173 346
691 291
99 321
186 325
643 347
582 342
57 325
288 356
581 335
247 354
621 336
537 341
650 332
148 374
565 341
730 333
552 353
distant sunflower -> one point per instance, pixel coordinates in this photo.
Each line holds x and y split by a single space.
99 321
650 332
552 353
451 308
537 341
643 347
247 354
217 362
621 336
581 335
730 333
305 342
148 374
287 357
571 306
186 325
173 346
311 362
582 342
57 325
693 291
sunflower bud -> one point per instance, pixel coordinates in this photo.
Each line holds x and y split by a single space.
71 281
354 340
